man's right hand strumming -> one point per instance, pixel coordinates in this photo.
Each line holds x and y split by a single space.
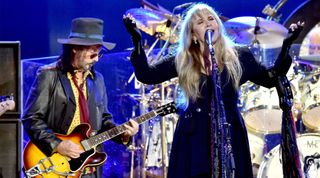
69 148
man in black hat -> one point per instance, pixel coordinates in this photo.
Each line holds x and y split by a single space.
70 92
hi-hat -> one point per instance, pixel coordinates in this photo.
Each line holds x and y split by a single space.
256 30
153 23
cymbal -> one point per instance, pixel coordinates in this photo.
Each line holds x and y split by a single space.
250 30
153 23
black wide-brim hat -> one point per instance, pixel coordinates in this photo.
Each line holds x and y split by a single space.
87 31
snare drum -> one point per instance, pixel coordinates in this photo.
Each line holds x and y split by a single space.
310 98
309 146
262 113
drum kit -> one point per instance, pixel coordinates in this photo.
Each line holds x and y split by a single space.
258 105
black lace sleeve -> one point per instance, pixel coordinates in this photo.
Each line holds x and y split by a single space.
161 71
260 74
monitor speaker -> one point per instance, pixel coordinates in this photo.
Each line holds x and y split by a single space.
10 148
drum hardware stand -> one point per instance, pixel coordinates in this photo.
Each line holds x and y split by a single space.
143 105
163 121
164 160
159 55
256 43
272 12
163 137
133 148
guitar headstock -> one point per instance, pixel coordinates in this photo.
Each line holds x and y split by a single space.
166 109
6 104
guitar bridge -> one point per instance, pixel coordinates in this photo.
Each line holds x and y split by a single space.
37 169
34 171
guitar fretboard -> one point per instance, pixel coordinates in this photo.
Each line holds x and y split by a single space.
107 135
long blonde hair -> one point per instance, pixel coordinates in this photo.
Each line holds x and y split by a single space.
188 58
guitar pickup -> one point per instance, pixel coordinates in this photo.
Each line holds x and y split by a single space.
85 144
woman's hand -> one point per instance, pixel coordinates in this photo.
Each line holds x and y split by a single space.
131 27
294 31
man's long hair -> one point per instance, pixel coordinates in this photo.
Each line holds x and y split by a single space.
67 56
188 58
65 59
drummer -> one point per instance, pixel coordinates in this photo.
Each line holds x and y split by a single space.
314 40
311 44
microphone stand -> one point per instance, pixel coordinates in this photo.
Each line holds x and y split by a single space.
223 150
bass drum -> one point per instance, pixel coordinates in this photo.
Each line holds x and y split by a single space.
261 109
310 99
309 147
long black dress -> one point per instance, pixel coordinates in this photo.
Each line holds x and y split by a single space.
190 154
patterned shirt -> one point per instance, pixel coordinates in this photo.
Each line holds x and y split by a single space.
76 118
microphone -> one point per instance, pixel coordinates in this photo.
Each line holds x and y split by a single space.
185 5
209 39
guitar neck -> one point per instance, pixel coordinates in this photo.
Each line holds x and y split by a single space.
107 135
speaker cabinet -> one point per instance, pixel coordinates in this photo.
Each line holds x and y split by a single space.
10 148
10 71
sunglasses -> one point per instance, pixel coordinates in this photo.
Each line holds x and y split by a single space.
96 54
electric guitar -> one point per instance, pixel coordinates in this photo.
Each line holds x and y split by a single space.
37 164
6 104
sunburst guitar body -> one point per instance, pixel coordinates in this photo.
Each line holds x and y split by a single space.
38 165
